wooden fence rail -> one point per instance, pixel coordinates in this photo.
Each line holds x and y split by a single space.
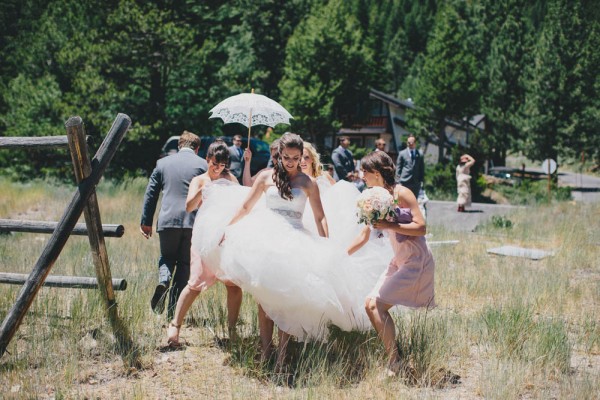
36 142
74 282
19 225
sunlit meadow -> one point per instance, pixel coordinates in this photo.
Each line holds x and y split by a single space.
505 327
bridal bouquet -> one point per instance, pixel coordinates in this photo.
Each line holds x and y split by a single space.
375 204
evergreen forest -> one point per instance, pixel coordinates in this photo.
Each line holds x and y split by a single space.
530 66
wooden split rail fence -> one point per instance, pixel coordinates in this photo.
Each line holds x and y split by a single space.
87 174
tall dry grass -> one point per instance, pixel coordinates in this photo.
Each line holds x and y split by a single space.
509 327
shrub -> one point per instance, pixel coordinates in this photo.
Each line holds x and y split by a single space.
533 192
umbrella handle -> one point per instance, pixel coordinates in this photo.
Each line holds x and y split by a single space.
249 122
249 127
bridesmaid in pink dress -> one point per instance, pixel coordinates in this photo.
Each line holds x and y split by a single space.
408 280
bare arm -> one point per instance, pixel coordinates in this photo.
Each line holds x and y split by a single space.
231 177
470 161
315 203
194 197
414 228
246 175
360 240
257 190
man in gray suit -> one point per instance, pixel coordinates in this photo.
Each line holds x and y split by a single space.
410 167
172 176
236 158
342 159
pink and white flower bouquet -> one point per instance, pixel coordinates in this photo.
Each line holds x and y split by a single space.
375 204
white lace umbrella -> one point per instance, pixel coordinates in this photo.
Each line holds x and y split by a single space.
251 109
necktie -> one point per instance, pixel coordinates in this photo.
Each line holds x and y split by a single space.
412 155
240 152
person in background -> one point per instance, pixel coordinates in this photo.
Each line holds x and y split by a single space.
410 167
236 156
463 181
380 145
343 161
329 168
311 166
172 177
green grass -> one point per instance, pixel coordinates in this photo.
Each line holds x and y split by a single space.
509 327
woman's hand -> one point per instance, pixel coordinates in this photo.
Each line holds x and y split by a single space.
383 224
247 155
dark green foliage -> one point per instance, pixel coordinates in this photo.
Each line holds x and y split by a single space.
533 192
531 67
561 89
326 72
440 181
501 75
500 221
447 86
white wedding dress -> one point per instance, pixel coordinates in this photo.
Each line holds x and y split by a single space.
303 282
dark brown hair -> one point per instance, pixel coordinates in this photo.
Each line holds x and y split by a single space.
219 151
188 139
379 161
280 175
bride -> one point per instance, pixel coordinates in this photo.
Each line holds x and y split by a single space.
271 255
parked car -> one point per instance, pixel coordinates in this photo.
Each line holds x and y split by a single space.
260 150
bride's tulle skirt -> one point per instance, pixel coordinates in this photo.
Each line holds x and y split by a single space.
303 282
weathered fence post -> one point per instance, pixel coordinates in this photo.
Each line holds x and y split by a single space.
61 234
91 212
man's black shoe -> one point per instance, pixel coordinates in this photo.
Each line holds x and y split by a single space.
158 299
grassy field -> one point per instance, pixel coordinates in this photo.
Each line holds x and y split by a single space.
504 327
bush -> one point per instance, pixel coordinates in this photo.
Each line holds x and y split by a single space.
533 192
440 181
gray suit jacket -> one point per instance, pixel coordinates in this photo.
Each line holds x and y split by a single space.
172 176
343 162
236 162
410 172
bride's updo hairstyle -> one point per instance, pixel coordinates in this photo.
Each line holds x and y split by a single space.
379 161
280 177
219 150
317 167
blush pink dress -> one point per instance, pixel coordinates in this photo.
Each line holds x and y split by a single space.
408 279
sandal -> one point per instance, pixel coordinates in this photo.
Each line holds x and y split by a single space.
173 339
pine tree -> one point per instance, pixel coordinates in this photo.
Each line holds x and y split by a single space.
560 89
504 94
327 70
447 86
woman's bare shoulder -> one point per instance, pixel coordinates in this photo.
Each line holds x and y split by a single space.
232 178
403 194
265 174
200 179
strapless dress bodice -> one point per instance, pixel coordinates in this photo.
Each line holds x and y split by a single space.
292 209
402 216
